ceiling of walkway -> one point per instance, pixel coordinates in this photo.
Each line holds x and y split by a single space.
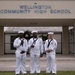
36 22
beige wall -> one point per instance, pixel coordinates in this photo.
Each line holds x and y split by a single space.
55 5
1 40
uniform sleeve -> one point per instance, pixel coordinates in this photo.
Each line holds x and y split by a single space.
54 46
16 43
26 45
45 45
29 43
41 46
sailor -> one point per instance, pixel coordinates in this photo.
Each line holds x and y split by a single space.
36 50
20 43
50 48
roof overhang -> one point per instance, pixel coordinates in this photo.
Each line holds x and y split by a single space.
36 22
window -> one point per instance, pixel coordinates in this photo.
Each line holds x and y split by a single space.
13 37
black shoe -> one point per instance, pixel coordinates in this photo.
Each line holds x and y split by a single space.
53 74
37 73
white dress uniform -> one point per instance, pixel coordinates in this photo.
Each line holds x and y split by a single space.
50 57
35 54
20 58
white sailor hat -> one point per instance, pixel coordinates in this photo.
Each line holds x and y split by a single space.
34 31
20 32
50 33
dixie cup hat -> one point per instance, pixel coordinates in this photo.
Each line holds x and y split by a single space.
20 32
50 33
34 31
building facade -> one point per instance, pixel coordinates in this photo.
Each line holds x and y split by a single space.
28 13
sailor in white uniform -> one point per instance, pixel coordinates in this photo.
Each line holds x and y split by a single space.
50 48
36 49
21 46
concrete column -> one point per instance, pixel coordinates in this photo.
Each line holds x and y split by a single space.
1 40
65 40
74 37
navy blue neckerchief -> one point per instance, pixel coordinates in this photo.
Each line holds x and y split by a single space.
49 42
34 40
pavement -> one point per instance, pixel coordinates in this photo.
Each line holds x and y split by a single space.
64 63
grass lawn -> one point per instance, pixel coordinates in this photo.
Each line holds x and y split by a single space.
42 73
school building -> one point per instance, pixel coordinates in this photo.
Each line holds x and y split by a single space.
39 13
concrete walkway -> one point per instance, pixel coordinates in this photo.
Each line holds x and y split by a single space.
64 63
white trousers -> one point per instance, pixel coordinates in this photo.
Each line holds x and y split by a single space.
34 63
50 63
21 64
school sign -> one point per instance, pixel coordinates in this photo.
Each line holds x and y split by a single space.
30 9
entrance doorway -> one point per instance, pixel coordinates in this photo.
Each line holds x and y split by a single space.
11 33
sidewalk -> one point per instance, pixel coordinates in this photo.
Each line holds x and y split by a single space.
64 63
